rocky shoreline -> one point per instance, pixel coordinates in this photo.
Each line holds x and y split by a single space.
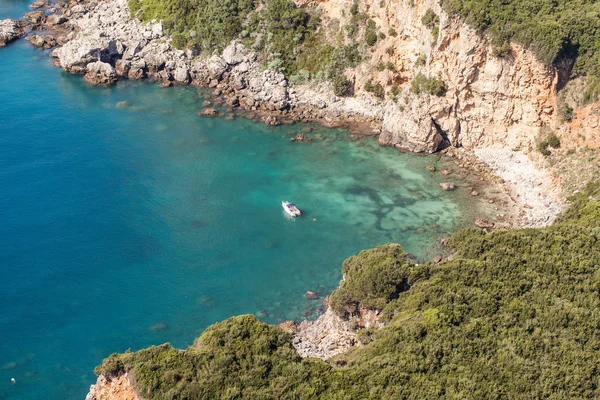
99 39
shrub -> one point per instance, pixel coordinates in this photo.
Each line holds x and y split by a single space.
542 147
395 91
433 86
431 21
421 60
370 37
392 32
553 140
342 87
565 112
375 89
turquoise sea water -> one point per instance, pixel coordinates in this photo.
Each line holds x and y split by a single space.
127 227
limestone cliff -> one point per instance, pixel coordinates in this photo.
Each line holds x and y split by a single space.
489 100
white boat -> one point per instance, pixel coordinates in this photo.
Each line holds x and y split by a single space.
290 208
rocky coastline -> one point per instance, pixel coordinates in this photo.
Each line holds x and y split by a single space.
99 40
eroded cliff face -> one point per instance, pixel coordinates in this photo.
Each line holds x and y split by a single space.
112 388
489 101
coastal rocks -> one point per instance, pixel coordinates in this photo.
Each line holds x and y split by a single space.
44 41
100 73
484 224
11 30
448 186
208 112
35 17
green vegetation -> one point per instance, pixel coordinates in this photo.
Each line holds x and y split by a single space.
375 88
565 112
209 24
550 139
371 280
281 28
554 30
371 33
513 314
432 21
433 86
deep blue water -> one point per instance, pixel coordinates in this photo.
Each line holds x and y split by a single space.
127 227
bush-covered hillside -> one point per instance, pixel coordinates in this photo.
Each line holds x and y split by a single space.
512 315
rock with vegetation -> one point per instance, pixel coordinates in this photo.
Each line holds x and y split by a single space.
511 314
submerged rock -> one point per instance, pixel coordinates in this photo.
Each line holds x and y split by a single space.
311 295
209 112
301 137
430 168
448 186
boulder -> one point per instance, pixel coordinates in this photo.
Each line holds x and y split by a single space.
75 55
181 75
437 259
430 168
45 41
39 4
11 30
448 186
235 53
100 73
208 112
56 19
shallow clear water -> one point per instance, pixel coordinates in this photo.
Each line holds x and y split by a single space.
127 227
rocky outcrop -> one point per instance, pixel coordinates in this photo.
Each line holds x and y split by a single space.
11 30
112 388
322 338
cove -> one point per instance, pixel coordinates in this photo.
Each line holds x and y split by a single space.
125 227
